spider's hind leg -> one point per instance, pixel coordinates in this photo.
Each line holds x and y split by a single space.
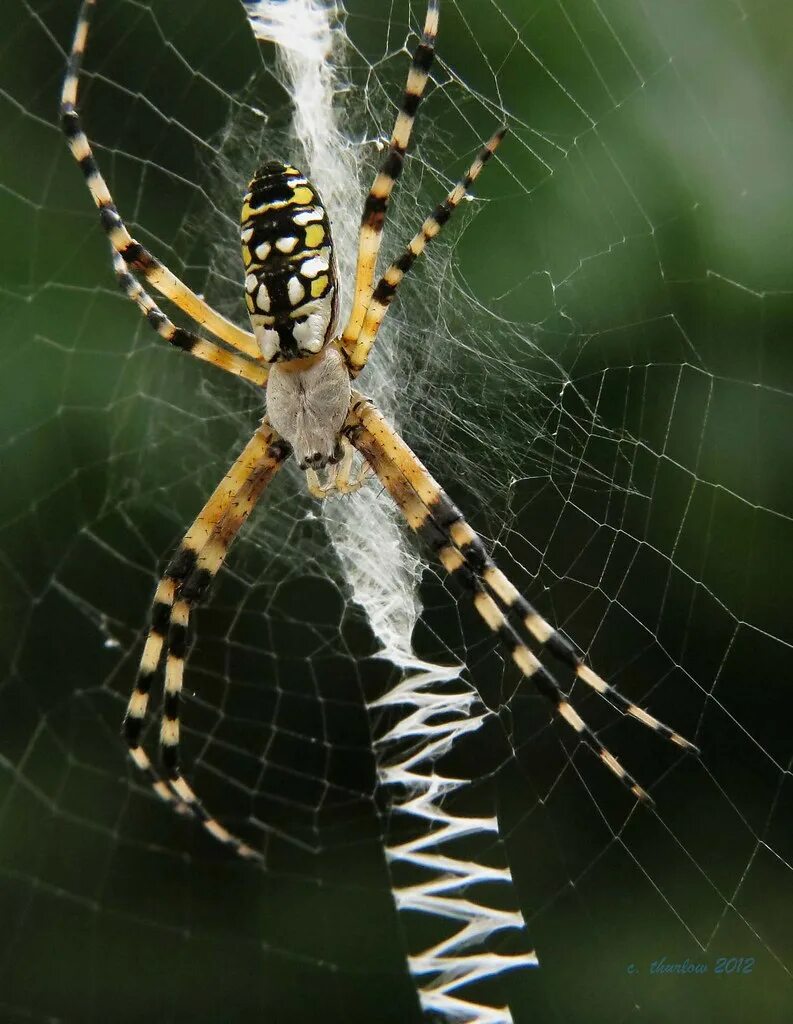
185 341
376 203
135 256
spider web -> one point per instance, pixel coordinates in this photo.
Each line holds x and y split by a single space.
593 360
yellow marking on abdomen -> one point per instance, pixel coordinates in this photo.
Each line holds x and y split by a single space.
318 286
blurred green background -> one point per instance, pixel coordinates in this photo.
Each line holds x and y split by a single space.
606 389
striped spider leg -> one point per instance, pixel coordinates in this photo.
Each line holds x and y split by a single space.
135 255
186 579
383 295
185 341
433 516
376 203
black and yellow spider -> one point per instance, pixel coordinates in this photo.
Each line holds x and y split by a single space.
306 370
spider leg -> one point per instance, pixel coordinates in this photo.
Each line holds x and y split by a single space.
193 588
358 348
136 256
187 576
431 514
187 341
376 204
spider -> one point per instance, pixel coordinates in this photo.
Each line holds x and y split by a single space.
305 369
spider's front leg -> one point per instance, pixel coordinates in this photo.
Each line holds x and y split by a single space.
431 514
189 574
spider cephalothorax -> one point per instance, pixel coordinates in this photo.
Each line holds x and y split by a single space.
308 404
291 292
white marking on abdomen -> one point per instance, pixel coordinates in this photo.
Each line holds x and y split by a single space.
263 299
295 290
307 216
268 340
316 265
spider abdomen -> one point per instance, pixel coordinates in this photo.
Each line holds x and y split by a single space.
290 275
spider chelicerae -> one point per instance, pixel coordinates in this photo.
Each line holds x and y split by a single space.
306 369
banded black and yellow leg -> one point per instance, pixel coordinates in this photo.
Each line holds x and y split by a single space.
256 453
186 341
462 553
135 715
376 204
192 589
358 350
466 544
136 256
431 513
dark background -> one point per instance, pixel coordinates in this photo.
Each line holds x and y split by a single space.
606 390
